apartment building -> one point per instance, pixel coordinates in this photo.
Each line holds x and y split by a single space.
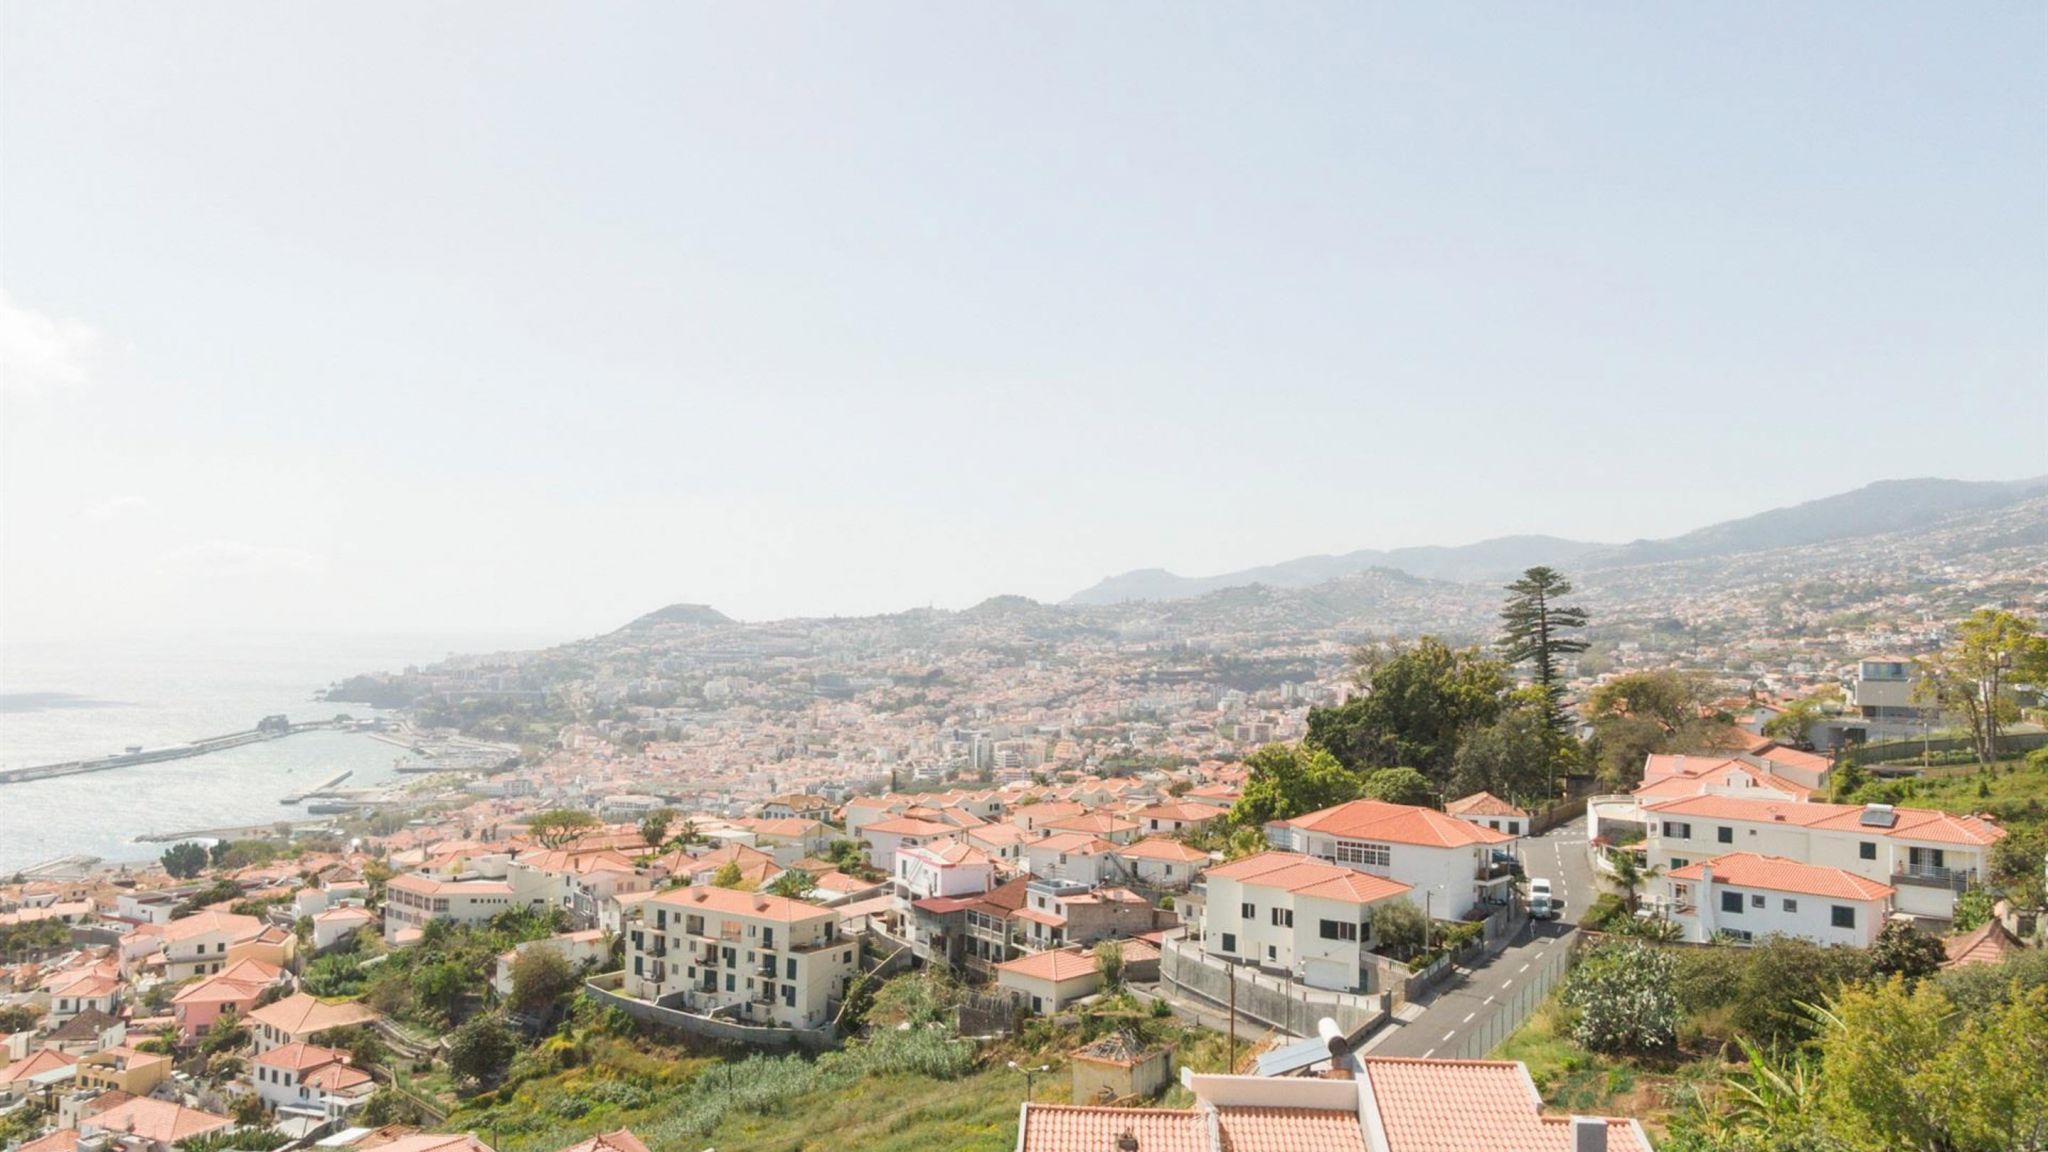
1746 897
1292 913
1445 863
1928 857
947 869
198 944
413 901
757 958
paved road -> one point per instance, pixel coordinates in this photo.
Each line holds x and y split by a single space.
1473 1001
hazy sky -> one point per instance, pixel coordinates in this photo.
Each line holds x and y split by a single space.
372 316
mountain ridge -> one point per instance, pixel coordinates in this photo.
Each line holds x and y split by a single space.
1881 506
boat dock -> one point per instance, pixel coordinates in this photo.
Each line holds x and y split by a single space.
317 789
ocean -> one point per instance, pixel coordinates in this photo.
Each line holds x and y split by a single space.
67 700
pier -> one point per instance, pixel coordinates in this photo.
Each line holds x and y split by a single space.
317 789
272 728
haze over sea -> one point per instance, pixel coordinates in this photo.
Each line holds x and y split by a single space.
73 699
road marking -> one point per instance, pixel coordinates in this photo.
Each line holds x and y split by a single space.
1468 1017
1451 1033
1428 1054
1504 984
1523 968
1488 1000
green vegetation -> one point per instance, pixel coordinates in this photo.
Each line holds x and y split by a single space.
1288 780
1415 702
184 860
558 827
1399 786
1533 627
1973 677
32 939
1621 1000
1644 712
436 982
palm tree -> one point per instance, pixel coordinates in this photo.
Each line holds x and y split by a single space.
1629 876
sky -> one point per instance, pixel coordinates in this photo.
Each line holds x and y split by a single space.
389 316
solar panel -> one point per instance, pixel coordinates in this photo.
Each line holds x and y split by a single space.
1876 817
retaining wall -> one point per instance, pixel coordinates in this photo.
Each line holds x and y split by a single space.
1290 1007
711 1028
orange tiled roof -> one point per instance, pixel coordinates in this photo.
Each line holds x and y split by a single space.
1397 824
735 903
1482 804
1308 876
1908 823
158 1121
1777 874
1990 944
1467 1105
1055 966
1161 848
622 1140
300 1013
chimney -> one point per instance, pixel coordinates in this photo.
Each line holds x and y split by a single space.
1127 1142
1589 1134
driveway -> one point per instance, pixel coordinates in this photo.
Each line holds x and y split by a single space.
1470 1013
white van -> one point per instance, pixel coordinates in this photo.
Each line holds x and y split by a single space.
1541 906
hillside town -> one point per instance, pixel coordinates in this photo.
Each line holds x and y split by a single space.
741 841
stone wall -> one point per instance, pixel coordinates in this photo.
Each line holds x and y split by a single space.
815 1040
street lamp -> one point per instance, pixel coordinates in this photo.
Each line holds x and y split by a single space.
1029 1074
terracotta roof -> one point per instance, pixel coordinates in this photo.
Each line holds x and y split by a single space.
1192 813
1308 876
1467 1105
1397 824
1161 848
158 1121
1245 1129
62 1140
1056 966
760 905
300 1013
1073 843
1777 874
234 927
35 1064
908 826
1482 804
1990 944
300 1056
1098 822
955 854
1908 823
1070 1128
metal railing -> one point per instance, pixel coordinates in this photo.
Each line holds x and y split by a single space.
1934 875
1483 1037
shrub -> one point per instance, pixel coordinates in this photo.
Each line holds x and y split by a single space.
1622 998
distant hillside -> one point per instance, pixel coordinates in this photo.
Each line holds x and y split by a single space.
1488 560
700 615
1886 506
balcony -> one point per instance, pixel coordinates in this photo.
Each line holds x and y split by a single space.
1934 876
767 967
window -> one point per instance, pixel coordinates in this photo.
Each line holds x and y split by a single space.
1867 850
1272 953
1725 834
1493 824
1756 899
1515 827
1283 917
1677 830
1679 862
1358 852
1338 930
1731 902
1791 905
791 967
1842 916
1248 911
1230 941
728 982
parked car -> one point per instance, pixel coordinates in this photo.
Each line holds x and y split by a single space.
1507 861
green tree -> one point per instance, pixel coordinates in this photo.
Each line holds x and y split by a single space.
1622 999
184 860
846 854
560 826
1414 703
1973 911
654 827
1642 713
1109 964
1399 786
541 975
440 987
481 1050
1904 951
1795 722
1400 928
1973 676
1534 628
794 884
1879 1081
1287 780
1630 876
1517 757
729 876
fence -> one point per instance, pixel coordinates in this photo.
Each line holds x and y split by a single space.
1478 1041
2009 743
1291 1007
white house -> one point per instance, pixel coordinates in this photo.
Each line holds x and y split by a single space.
337 924
1487 810
1071 856
1003 842
1928 857
756 958
1162 862
309 1078
1444 860
1169 819
1748 897
1296 914
949 869
580 949
884 837
198 944
1049 981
